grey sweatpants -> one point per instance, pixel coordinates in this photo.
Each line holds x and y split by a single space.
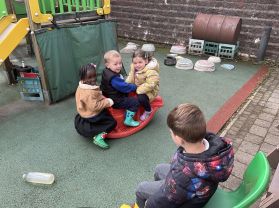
147 188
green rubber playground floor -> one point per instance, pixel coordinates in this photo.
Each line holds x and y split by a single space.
43 138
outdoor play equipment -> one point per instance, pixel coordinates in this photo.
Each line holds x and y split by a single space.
121 130
253 185
271 197
216 28
65 34
12 33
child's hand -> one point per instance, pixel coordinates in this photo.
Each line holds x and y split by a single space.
135 87
110 102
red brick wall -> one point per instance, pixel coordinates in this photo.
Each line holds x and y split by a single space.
170 21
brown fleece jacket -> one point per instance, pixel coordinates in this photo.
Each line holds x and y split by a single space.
90 101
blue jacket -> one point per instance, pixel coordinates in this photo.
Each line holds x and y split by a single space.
114 86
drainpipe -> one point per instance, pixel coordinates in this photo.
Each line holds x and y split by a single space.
263 43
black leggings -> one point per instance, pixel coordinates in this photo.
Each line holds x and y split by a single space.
144 101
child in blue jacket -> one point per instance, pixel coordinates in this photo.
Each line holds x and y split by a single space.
114 86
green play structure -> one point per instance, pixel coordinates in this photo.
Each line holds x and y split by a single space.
3 9
19 8
65 49
65 35
58 7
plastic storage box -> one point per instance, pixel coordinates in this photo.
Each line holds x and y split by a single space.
211 48
227 51
195 46
30 88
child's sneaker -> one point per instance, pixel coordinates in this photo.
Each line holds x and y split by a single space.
145 115
99 140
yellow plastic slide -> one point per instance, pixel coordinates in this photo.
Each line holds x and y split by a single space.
11 34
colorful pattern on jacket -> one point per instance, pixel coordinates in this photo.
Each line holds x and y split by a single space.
194 178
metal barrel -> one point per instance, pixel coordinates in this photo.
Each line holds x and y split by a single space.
216 28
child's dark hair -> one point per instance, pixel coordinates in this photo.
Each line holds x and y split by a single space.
84 70
187 121
142 54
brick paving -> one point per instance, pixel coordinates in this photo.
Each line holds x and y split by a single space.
255 127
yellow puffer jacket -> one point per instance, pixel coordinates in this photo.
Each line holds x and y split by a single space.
147 80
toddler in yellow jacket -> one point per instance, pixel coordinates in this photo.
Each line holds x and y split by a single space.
144 73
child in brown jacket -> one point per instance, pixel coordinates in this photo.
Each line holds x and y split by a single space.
93 119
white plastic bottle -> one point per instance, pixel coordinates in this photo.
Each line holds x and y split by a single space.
37 177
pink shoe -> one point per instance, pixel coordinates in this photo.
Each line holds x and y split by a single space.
145 115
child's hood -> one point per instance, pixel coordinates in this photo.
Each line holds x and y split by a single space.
87 86
152 65
214 164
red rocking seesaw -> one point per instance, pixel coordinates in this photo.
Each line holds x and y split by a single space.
121 130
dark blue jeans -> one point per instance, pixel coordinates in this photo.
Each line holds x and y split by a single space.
144 102
128 103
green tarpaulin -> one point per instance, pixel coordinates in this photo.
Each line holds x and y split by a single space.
65 49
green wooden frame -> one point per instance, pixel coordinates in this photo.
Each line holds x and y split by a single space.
65 6
3 9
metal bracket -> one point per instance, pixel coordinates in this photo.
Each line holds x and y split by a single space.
36 14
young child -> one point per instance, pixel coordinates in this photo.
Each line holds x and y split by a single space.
145 74
201 161
114 86
93 119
